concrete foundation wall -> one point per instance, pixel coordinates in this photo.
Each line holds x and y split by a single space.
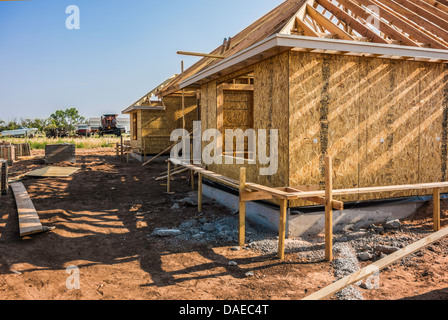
302 224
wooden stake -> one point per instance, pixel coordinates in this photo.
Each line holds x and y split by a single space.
242 222
144 151
328 208
128 152
436 205
282 228
121 144
192 171
168 177
199 192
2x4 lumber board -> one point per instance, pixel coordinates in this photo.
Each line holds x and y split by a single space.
437 10
384 27
438 4
337 205
327 24
374 268
306 30
282 228
351 22
237 87
198 54
275 193
415 6
436 205
328 209
444 2
209 174
342 192
242 209
435 31
394 18
200 191
29 222
175 173
158 155
168 178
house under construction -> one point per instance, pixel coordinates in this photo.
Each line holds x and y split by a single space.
362 81
153 119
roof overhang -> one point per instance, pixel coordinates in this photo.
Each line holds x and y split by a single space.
140 103
135 108
282 42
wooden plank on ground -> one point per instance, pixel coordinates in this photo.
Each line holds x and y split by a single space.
378 266
29 222
53 172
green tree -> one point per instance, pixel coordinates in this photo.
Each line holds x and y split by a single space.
66 119
39 124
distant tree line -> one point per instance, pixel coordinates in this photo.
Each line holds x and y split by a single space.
62 119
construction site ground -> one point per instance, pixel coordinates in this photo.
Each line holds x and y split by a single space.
105 216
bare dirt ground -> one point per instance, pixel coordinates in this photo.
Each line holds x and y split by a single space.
104 217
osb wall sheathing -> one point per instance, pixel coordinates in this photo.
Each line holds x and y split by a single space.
381 120
156 126
136 144
237 113
270 112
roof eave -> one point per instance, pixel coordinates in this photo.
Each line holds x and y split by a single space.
281 42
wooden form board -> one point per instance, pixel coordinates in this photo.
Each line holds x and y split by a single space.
252 192
29 222
53 172
377 266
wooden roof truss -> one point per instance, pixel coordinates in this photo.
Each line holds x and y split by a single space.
419 23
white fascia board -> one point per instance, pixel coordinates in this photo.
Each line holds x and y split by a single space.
250 52
313 43
361 47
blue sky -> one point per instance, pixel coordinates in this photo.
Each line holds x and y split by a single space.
122 50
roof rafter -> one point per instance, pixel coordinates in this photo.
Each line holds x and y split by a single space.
438 5
424 13
418 22
428 11
327 24
398 21
388 30
437 8
350 21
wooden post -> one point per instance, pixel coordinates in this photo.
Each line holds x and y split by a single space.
118 150
121 144
168 182
184 143
328 208
436 206
192 179
144 150
192 171
242 222
282 228
128 152
200 192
